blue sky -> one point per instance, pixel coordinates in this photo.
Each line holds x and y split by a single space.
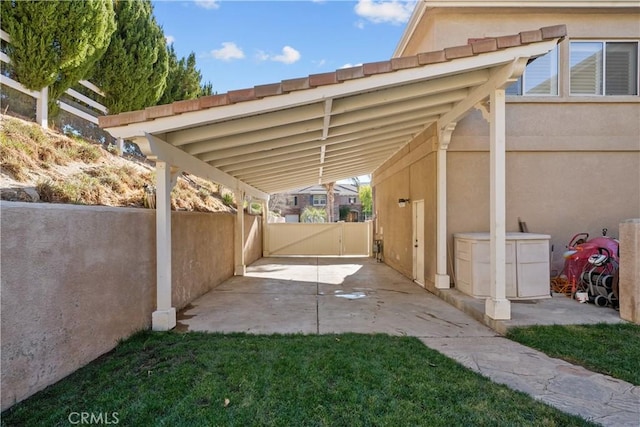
240 44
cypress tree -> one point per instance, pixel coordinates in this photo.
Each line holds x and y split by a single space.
183 80
133 71
55 43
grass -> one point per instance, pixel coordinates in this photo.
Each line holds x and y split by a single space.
197 379
610 349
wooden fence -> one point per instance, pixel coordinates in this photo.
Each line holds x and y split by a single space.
92 110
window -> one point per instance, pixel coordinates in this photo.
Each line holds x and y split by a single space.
319 200
539 78
604 68
352 200
295 200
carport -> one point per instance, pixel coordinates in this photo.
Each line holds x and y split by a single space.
326 127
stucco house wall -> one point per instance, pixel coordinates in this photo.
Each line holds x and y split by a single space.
573 162
76 279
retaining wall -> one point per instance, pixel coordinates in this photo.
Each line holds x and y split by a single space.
76 279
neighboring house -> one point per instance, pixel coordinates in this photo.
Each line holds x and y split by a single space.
347 206
572 135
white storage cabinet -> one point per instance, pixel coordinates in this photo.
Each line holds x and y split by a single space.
527 265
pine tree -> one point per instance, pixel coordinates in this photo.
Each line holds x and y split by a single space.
133 71
55 43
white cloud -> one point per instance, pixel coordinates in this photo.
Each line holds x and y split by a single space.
394 12
288 56
208 4
228 52
170 39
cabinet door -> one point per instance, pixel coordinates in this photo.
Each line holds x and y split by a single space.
533 268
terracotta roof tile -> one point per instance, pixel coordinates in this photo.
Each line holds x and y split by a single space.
527 37
291 85
404 62
377 68
431 57
159 111
268 90
484 46
473 47
508 41
214 100
241 95
186 106
553 32
322 79
350 73
458 52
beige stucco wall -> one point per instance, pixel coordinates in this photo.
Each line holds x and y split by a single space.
76 279
445 27
410 173
573 163
570 170
252 238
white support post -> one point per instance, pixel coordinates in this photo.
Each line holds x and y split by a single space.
164 318
240 267
265 228
497 306
120 146
42 108
442 280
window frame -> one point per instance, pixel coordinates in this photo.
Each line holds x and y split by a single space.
604 66
521 82
317 198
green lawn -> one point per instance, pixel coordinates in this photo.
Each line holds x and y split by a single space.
178 379
612 349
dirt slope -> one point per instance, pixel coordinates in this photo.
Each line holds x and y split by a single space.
40 165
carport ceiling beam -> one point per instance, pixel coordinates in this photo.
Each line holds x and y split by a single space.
423 89
284 165
248 124
418 105
400 121
313 127
154 147
327 118
293 144
264 157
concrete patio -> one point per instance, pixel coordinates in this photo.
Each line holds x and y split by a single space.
314 295
335 295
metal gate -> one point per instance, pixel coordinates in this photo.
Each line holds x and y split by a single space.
336 239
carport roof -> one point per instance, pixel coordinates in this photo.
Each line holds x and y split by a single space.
331 126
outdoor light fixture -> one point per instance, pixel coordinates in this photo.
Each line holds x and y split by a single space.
403 202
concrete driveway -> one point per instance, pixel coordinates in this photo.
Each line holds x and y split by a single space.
326 295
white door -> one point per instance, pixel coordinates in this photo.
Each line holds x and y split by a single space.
418 242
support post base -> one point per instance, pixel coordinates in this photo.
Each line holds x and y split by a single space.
442 281
240 270
163 320
497 309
